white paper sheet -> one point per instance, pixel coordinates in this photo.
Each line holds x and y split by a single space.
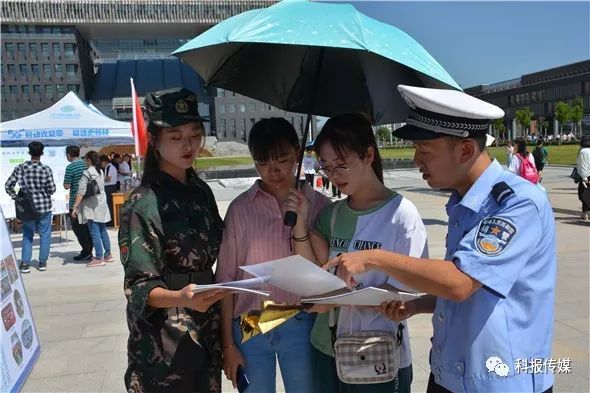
251 285
296 275
370 296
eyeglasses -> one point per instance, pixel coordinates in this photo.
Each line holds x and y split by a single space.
341 171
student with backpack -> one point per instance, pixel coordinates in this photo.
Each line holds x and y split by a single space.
541 156
522 163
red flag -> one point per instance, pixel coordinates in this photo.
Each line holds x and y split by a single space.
138 125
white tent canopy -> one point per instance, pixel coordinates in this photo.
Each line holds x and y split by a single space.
67 119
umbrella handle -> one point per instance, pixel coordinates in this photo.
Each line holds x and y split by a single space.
290 218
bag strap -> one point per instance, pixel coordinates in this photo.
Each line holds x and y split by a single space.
332 324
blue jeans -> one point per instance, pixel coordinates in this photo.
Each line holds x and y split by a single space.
43 226
290 343
100 238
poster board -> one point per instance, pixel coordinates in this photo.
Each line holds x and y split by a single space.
20 344
53 157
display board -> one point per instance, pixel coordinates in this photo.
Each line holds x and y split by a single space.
20 344
54 157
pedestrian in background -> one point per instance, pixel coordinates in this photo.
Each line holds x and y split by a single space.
110 183
36 180
583 166
309 165
522 162
72 177
541 156
93 209
509 152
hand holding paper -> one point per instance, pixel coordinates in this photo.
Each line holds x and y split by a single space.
297 275
251 285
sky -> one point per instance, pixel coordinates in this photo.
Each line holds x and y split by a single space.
488 42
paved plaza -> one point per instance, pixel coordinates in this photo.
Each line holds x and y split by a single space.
80 312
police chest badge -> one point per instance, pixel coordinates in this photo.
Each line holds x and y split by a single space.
493 235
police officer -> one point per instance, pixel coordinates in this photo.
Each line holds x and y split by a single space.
492 296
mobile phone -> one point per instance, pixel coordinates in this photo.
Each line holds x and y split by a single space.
242 379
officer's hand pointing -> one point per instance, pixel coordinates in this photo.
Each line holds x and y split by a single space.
349 264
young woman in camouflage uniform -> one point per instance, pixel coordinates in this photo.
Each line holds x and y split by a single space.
169 239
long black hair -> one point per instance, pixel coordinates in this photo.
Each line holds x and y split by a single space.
93 157
350 132
151 162
521 147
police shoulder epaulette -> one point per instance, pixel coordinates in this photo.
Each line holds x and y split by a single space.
501 191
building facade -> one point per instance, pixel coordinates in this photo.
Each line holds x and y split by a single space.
540 92
235 115
40 64
94 47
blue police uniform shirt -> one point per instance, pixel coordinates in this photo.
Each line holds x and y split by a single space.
502 234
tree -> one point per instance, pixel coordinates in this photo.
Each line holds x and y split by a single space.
524 117
562 114
499 129
383 135
577 112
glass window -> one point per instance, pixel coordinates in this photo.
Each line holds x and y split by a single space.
69 50
45 49
232 128
33 49
252 107
13 90
35 70
71 70
221 108
11 69
37 89
22 49
9 47
58 70
56 50
24 69
74 88
242 108
47 71
60 90
232 108
26 90
49 90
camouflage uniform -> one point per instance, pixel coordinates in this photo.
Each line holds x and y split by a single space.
166 228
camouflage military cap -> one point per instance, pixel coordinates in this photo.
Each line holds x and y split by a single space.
172 107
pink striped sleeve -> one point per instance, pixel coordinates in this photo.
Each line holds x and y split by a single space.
227 260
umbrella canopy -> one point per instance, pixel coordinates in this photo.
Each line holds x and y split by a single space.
316 58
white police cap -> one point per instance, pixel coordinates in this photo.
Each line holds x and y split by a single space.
435 113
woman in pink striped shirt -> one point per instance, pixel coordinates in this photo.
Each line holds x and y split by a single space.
255 233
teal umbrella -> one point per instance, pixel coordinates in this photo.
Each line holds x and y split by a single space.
315 58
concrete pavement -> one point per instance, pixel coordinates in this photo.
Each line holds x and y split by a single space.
80 312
